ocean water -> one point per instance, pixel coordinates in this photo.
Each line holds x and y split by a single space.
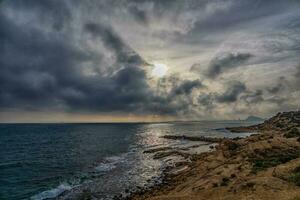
42 161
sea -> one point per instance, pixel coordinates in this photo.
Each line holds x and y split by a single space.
45 161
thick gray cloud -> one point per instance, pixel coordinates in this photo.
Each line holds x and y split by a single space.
112 41
297 77
186 87
232 92
226 62
280 85
45 71
253 97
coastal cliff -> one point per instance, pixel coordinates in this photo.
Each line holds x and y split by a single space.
263 166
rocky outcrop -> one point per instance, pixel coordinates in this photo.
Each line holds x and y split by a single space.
193 138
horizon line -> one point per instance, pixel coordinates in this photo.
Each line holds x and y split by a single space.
128 122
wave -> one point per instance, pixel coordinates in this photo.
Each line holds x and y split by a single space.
52 193
110 163
105 167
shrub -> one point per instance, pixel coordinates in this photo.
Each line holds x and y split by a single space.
294 132
225 181
295 176
272 160
279 125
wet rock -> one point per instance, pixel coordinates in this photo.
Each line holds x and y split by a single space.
193 138
160 155
154 150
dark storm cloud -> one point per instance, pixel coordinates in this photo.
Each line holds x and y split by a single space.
253 97
51 75
231 94
237 92
280 85
126 90
56 12
178 100
139 14
297 78
186 87
33 65
220 64
44 71
205 99
112 41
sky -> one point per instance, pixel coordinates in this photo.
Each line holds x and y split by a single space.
151 60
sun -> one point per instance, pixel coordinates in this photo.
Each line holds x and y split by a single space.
159 70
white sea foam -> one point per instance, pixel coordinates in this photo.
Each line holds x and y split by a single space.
116 158
105 167
110 163
52 193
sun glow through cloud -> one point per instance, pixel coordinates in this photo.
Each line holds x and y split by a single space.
159 70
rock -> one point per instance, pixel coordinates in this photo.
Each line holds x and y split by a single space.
154 150
193 138
164 154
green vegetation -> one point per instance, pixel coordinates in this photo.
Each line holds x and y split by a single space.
295 176
294 132
279 125
272 160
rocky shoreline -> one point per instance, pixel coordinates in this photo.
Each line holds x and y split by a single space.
261 166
